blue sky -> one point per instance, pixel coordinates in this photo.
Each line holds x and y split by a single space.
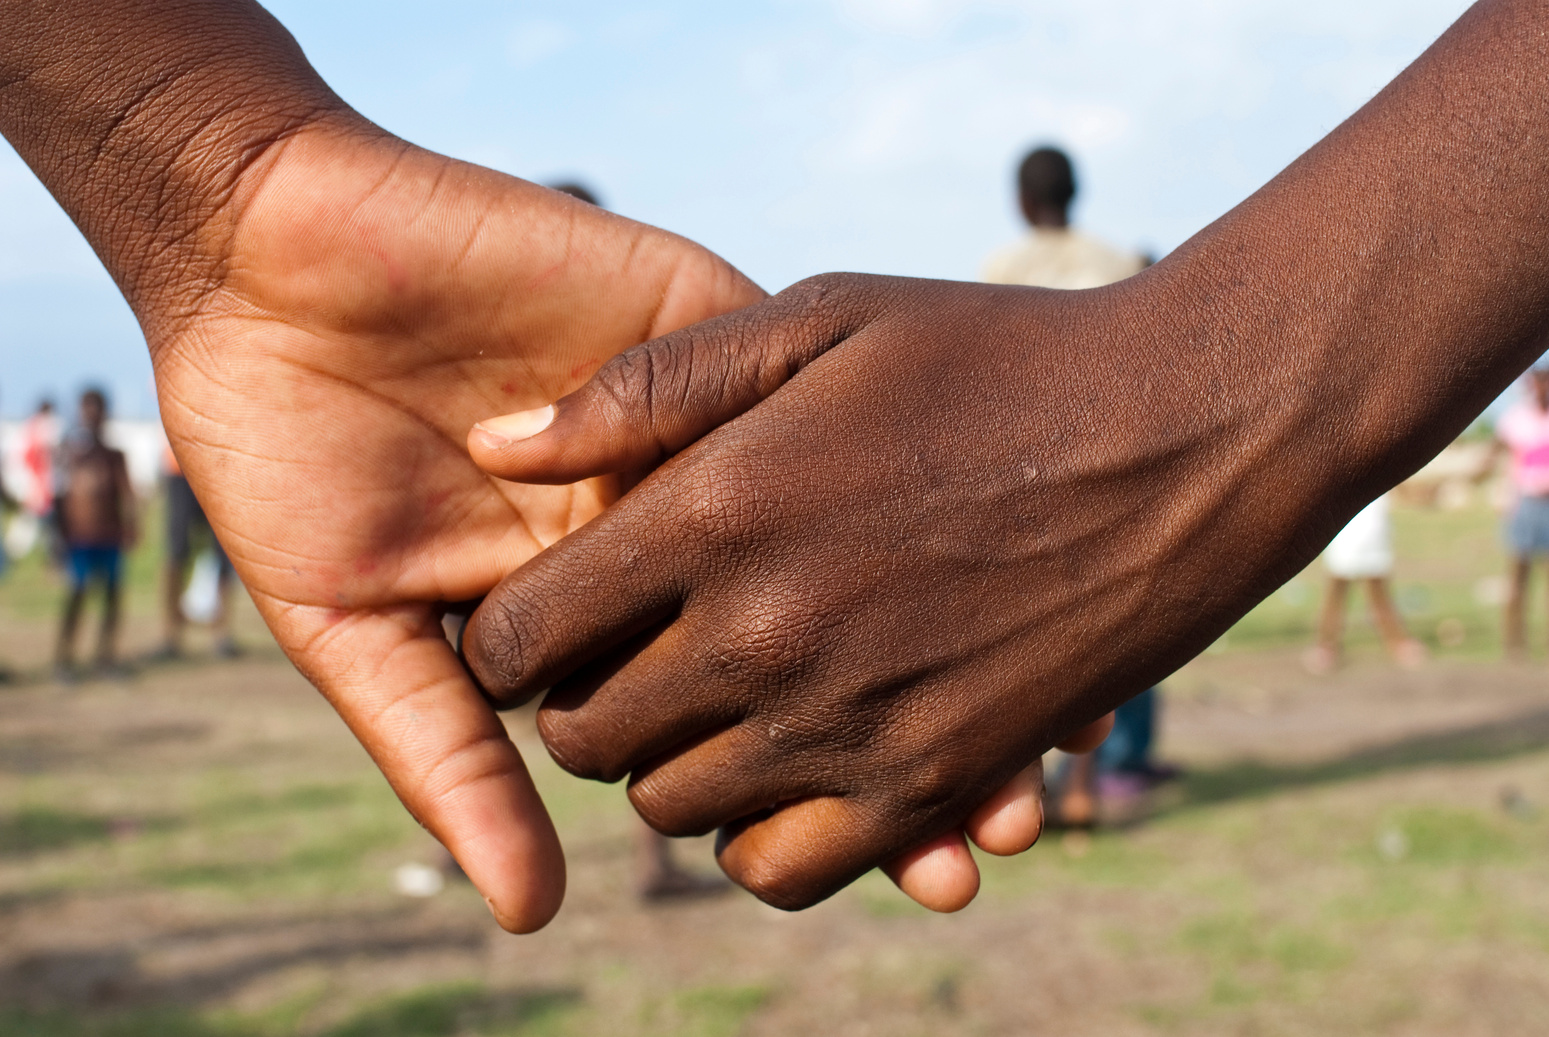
792 136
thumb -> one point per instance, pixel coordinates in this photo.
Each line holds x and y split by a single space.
650 402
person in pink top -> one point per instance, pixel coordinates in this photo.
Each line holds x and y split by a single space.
40 440
1523 431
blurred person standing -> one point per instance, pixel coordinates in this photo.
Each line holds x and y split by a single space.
188 529
8 504
1362 552
1523 434
1055 255
39 443
1125 762
95 513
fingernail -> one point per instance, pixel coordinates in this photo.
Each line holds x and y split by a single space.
500 919
512 428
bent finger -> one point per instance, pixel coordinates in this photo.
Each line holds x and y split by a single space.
649 402
1010 821
940 875
576 602
395 680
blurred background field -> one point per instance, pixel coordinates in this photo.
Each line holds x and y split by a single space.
203 851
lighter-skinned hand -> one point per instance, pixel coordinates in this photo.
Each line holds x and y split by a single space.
329 309
378 299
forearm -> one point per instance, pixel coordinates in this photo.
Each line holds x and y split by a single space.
140 117
1371 300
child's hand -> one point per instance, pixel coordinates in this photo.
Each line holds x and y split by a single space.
795 736
942 875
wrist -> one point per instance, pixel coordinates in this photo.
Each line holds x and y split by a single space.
146 144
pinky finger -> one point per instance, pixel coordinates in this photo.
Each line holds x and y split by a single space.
940 875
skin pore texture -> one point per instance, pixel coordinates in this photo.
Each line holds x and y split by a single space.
329 309
909 534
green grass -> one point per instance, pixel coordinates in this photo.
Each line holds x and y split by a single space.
455 1010
219 831
308 840
463 1010
712 1011
34 830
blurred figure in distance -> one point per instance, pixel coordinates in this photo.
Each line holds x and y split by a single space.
186 524
39 443
1362 552
1054 255
96 517
8 504
1523 434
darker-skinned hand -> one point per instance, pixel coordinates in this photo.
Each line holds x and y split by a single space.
912 533
933 530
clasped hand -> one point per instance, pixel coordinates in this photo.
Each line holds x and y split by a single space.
902 540
374 301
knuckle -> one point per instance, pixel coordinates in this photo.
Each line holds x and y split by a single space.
643 384
775 883
667 809
831 292
573 747
838 300
774 642
509 649
492 646
723 499
934 785
625 382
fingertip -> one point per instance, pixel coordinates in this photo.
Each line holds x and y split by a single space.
502 445
520 873
408 700
940 875
506 429
1089 737
1010 821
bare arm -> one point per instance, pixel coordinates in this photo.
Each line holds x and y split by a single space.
956 521
141 119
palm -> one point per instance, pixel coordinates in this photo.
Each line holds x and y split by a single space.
378 301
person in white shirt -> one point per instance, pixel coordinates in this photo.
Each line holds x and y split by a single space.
1053 255
1362 552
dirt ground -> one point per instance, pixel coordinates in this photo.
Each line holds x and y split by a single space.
203 850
